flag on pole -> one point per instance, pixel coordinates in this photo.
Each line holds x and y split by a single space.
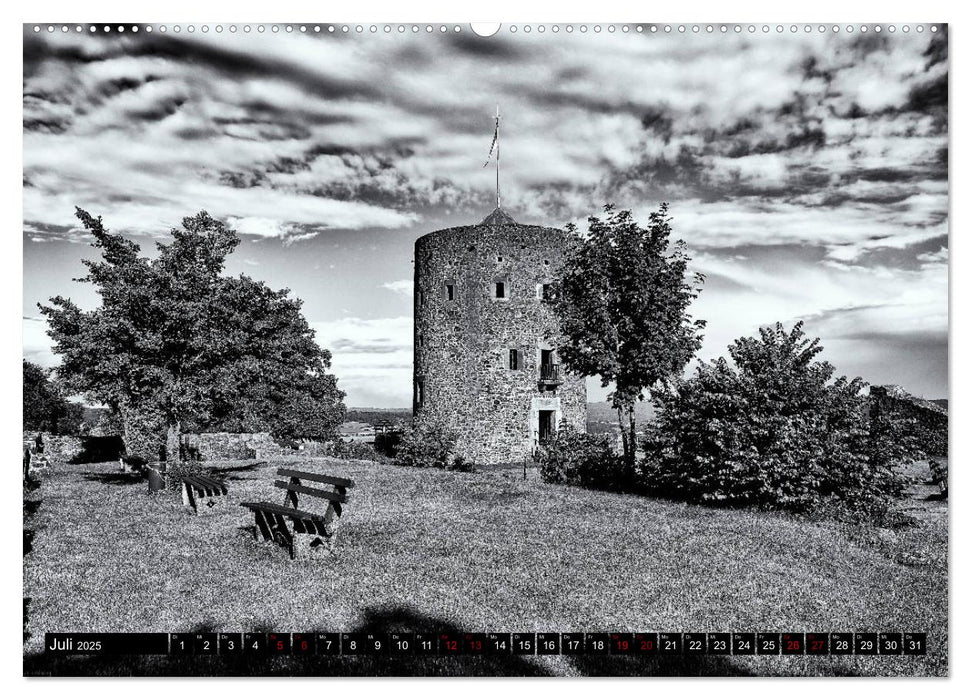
495 140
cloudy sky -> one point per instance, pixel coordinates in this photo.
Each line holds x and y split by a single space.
806 172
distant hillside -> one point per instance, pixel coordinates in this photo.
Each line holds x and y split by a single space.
602 411
372 416
602 417
93 414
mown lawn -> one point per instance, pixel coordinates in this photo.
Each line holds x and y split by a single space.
426 550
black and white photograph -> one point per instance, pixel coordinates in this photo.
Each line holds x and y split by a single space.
591 349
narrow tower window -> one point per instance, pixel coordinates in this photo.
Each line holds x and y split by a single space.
513 358
500 290
450 292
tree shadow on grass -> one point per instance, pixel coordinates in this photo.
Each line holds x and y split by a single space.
31 506
243 468
115 478
675 666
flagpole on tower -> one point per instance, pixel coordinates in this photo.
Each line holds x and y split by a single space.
498 198
494 148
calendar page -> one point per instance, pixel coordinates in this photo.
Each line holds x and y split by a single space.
525 349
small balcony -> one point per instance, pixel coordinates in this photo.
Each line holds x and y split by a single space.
550 374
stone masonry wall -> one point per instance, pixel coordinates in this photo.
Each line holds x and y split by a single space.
462 345
57 448
213 446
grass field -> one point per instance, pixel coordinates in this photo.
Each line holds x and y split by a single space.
426 550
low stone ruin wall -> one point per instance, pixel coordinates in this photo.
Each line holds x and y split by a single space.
201 446
213 446
57 448
208 447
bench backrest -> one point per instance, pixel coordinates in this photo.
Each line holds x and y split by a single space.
294 486
310 476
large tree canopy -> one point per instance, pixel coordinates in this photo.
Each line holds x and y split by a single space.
622 303
177 344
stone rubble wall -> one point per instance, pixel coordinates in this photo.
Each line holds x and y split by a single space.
216 446
57 448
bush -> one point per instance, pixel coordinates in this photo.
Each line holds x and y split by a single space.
580 459
426 444
773 430
358 450
461 464
387 443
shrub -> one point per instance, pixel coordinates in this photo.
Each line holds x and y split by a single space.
358 450
773 430
426 444
461 464
580 459
387 443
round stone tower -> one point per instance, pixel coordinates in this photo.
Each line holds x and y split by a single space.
486 364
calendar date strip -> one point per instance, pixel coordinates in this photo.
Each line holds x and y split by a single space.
489 643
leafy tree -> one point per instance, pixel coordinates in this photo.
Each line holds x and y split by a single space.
176 344
773 429
45 408
622 303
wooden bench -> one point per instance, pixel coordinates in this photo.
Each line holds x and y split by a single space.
271 519
203 487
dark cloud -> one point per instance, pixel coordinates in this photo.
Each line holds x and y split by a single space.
871 42
116 86
492 48
242 180
686 170
929 97
658 121
936 51
156 111
812 68
50 125
903 258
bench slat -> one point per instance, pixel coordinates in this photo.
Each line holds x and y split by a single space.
283 510
208 481
206 484
310 476
310 491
